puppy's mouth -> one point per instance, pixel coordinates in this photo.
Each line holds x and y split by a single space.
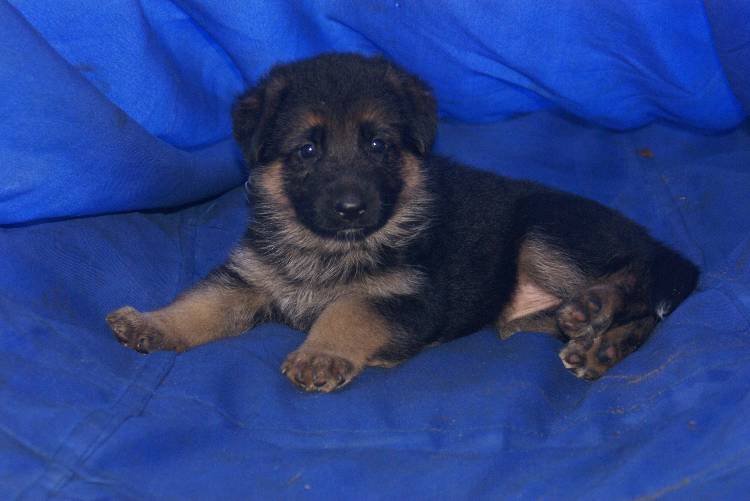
345 234
342 232
350 234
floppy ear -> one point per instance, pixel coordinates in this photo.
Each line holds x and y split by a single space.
421 103
254 111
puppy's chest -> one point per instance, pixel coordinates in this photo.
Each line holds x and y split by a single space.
299 306
302 286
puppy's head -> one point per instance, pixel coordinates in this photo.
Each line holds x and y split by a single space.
337 139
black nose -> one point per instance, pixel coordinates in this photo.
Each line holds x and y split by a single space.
350 206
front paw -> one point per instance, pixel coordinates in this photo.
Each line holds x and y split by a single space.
317 371
135 330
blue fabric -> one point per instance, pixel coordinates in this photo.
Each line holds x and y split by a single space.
123 107
730 20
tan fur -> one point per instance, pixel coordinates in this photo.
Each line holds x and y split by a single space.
348 328
312 119
370 113
549 268
346 337
270 180
528 298
410 218
544 278
208 313
300 301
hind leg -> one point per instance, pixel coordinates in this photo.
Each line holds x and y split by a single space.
613 280
602 323
541 321
605 323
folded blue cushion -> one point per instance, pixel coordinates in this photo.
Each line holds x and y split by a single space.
125 106
121 107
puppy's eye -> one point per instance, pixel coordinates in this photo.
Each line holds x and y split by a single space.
308 151
377 145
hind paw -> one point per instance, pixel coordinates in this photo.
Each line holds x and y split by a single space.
582 359
590 313
590 357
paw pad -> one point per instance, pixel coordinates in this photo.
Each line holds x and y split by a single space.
578 359
315 371
589 313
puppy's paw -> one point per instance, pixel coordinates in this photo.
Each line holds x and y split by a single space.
590 357
135 330
582 358
589 313
317 371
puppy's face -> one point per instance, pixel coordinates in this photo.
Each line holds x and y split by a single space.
337 131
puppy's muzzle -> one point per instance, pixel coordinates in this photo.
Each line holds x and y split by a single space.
353 206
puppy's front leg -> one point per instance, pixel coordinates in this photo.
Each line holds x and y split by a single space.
222 305
343 340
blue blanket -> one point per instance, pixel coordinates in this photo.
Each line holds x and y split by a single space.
118 112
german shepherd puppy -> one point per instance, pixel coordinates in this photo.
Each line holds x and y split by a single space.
377 248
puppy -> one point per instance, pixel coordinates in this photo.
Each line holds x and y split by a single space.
377 248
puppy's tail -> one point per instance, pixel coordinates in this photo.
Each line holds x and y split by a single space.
673 279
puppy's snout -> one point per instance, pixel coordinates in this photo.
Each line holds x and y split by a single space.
350 206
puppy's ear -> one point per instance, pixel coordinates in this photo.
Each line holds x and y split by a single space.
254 111
422 108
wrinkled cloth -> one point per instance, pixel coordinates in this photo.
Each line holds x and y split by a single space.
124 106
120 186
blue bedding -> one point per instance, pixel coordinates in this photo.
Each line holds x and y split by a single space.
120 185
